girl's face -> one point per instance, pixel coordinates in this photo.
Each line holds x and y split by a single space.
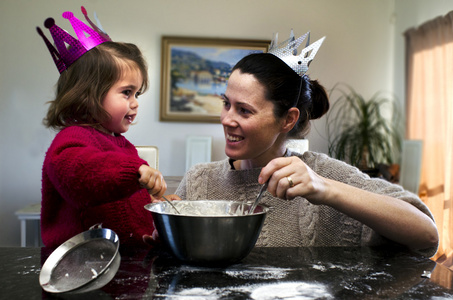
121 101
251 130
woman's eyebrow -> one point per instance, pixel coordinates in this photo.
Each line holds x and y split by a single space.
241 103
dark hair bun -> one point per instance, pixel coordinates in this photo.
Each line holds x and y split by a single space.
320 100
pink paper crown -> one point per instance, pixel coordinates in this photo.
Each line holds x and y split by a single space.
69 49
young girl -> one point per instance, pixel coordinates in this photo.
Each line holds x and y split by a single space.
91 173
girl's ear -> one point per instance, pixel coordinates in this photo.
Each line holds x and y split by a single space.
291 119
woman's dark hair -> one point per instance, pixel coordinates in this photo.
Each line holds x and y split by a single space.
83 86
286 89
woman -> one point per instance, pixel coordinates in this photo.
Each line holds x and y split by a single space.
316 200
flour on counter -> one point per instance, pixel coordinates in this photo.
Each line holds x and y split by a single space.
291 290
328 266
199 293
30 270
258 273
95 274
266 273
284 290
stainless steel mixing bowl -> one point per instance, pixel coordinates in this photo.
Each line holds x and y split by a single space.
208 231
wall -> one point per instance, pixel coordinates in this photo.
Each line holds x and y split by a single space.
358 51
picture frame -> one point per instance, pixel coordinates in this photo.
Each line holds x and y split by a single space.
194 74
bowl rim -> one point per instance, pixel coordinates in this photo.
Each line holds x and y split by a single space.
149 206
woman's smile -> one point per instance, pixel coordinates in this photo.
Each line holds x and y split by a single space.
234 138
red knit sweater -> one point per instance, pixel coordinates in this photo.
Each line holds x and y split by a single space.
89 177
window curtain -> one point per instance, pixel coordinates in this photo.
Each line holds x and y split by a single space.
429 117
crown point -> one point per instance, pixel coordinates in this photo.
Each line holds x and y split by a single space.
68 48
287 52
49 22
84 11
68 15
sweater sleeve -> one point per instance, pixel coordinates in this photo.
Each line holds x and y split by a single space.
181 190
88 168
342 172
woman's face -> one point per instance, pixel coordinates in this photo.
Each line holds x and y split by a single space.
121 101
251 129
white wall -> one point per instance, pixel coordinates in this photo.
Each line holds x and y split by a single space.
358 51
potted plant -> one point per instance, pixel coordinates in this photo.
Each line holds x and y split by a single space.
364 133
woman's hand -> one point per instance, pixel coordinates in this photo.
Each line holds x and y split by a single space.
169 197
391 217
290 177
152 180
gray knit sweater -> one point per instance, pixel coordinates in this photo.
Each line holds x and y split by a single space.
297 222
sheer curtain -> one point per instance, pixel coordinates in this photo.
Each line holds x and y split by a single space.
429 111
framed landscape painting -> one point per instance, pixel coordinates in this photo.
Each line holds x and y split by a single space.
195 73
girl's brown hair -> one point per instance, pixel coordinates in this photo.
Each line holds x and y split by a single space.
83 86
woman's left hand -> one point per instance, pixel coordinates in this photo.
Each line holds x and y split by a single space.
170 197
290 177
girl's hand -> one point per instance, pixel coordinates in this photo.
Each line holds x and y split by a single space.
152 180
290 177
152 240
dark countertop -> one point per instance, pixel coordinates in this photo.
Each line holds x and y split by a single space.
267 273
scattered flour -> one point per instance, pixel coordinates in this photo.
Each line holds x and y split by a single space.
285 290
95 274
258 273
291 290
325 267
261 291
200 293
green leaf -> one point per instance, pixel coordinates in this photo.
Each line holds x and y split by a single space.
359 132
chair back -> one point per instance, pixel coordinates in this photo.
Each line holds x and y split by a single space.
411 165
150 154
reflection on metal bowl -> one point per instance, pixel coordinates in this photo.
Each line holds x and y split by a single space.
208 231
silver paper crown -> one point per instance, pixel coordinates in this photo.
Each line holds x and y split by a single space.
287 51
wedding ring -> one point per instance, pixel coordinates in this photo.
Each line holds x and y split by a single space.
290 181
